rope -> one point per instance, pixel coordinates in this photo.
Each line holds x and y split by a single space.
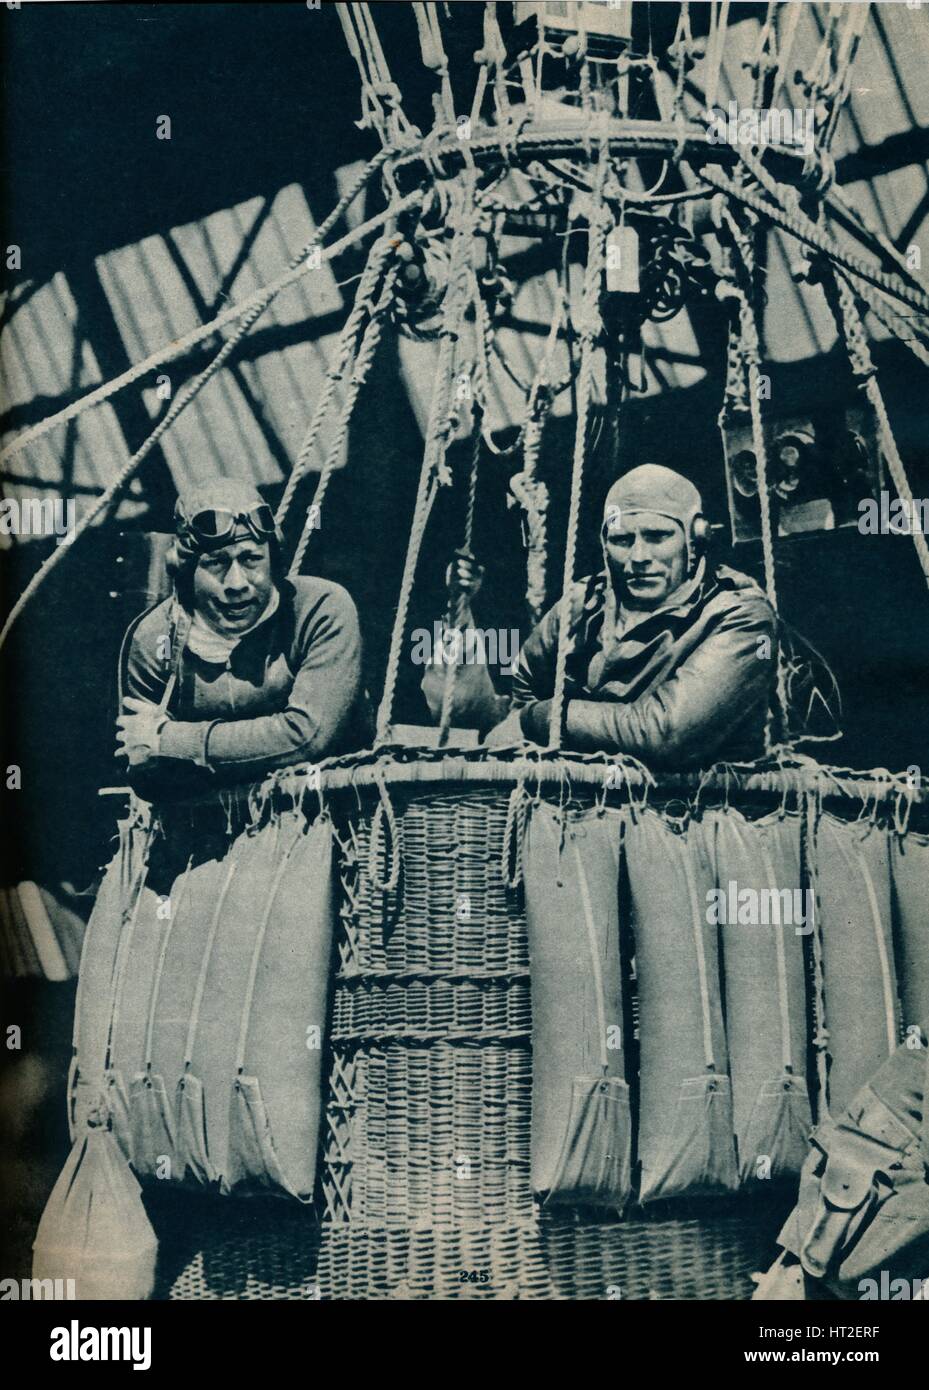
513 832
383 811
834 93
751 354
433 469
897 470
259 303
372 111
784 46
591 323
181 346
820 1039
902 328
434 57
719 19
804 230
841 301
345 349
457 618
363 363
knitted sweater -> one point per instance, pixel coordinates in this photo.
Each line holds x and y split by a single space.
290 691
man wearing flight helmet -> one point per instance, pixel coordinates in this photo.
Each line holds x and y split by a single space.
669 662
241 670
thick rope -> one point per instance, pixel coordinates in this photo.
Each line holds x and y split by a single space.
820 1040
591 324
181 346
751 354
346 349
457 618
363 363
433 465
184 398
901 327
848 320
804 230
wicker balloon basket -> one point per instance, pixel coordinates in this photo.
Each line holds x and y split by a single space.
424 1189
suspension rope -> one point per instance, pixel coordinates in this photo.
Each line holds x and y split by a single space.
457 617
434 57
750 348
590 332
345 351
848 320
806 231
433 471
372 110
181 346
363 363
528 490
719 19
193 388
901 327
784 45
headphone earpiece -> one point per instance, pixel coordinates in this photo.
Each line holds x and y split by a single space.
700 532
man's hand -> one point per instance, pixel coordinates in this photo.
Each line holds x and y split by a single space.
534 721
138 730
507 734
464 576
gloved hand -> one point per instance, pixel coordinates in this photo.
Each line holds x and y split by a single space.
139 728
534 721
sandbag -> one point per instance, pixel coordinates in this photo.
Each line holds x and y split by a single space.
277 1092
850 866
219 1021
118 899
94 1229
581 1129
761 911
909 866
182 903
685 1129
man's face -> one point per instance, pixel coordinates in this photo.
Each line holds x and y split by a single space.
647 555
232 585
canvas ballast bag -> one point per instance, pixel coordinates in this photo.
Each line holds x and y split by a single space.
217 1008
762 911
581 1129
909 866
850 866
94 1228
685 1133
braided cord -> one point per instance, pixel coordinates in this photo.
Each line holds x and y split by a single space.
800 226
451 669
123 478
345 350
433 466
848 320
363 363
591 312
751 353
182 346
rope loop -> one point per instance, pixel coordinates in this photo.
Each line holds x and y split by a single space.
383 813
513 833
590 332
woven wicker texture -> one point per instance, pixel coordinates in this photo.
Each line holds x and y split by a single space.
424 1191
